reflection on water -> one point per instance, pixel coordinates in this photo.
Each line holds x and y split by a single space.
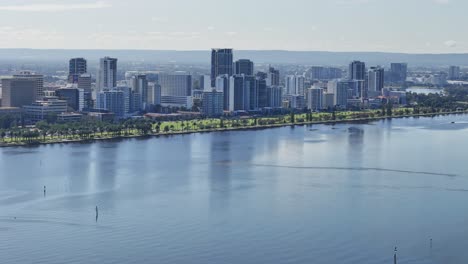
346 193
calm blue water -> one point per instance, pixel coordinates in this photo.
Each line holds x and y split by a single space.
324 194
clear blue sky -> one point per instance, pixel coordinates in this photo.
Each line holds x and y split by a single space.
419 26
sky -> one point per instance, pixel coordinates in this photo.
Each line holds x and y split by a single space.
411 26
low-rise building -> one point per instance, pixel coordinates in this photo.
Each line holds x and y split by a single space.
41 109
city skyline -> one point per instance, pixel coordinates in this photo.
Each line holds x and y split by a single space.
310 25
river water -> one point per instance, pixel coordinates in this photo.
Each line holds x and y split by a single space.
347 193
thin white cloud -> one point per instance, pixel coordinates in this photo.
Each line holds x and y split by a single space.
160 19
443 2
44 7
450 43
231 33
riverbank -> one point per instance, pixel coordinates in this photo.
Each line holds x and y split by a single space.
225 129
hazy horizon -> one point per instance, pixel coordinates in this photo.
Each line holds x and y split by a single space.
421 27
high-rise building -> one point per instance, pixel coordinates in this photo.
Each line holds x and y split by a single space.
262 90
357 70
274 96
295 84
243 93
85 84
273 77
139 85
375 81
18 92
175 84
221 63
72 96
324 73
213 103
38 80
328 101
112 100
222 85
315 99
398 72
154 94
340 91
244 66
176 90
205 83
107 74
77 67
454 73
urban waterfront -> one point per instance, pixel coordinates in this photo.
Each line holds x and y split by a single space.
347 193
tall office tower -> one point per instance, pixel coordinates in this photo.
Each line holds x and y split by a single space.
154 94
243 93
398 72
77 67
205 83
454 73
107 74
222 85
334 73
273 77
317 73
357 70
295 85
84 82
18 91
245 67
274 96
262 90
221 63
139 85
315 99
176 90
175 84
340 90
375 81
38 80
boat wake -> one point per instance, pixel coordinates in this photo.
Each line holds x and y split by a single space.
354 169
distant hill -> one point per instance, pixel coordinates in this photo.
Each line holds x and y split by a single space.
266 56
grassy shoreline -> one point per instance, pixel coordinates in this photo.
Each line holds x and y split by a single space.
211 130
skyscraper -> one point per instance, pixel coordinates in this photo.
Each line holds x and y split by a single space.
315 99
295 85
176 90
340 90
107 74
221 63
222 85
454 73
398 72
212 103
139 85
357 70
243 93
273 77
244 66
375 81
77 67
